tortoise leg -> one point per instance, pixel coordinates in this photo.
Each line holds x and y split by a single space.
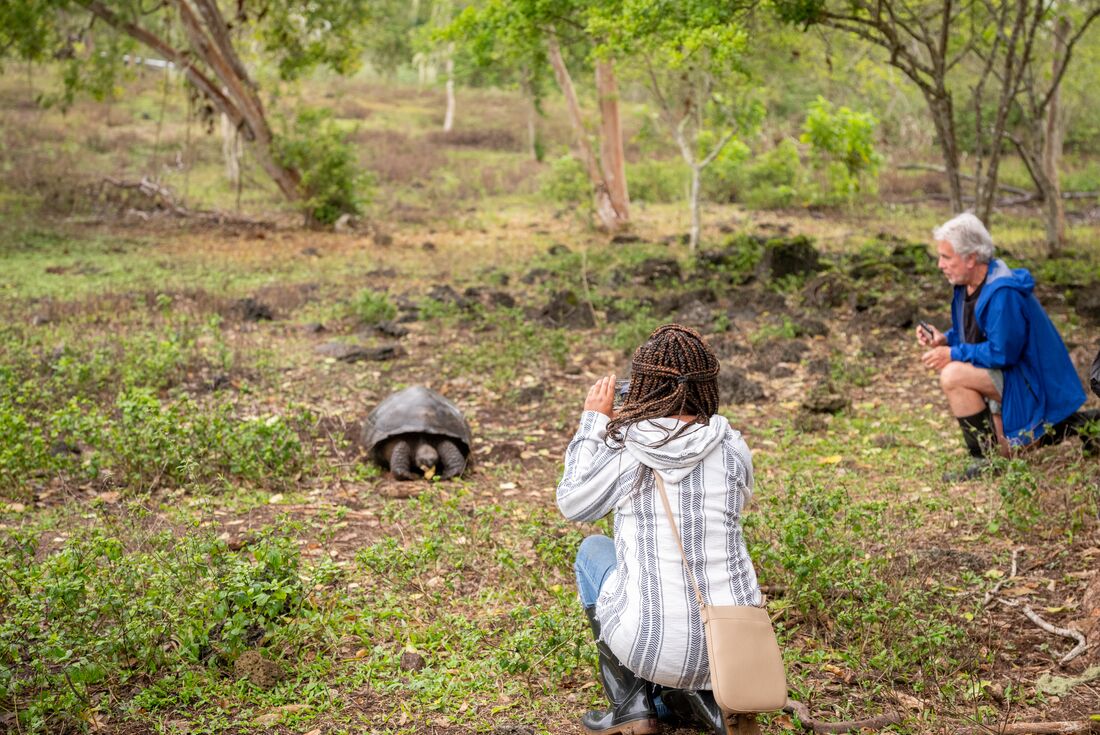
451 457
399 461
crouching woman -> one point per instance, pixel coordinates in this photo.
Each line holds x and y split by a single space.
649 635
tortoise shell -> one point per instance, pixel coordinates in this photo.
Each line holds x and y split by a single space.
415 410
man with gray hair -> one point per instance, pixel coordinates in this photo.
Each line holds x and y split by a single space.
1003 367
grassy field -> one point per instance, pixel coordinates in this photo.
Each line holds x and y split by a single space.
181 484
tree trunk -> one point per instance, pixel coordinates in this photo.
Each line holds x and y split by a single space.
231 151
696 225
532 119
609 218
212 46
1054 134
449 118
611 139
943 117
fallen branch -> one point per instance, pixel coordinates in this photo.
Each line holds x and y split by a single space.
1037 728
809 723
165 201
997 587
967 177
1082 642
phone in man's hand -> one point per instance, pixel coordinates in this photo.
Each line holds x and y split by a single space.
927 329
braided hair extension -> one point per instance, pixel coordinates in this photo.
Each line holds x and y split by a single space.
673 373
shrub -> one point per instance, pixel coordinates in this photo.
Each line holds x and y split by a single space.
373 307
567 182
656 181
724 179
774 179
842 146
332 181
118 605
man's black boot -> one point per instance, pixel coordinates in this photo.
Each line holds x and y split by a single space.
632 711
980 438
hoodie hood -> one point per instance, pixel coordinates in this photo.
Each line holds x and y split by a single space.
677 458
1001 276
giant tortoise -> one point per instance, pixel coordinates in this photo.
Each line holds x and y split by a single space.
418 433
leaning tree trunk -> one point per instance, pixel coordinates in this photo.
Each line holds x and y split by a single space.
610 218
208 37
611 139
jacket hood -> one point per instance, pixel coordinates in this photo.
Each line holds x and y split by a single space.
1001 276
675 459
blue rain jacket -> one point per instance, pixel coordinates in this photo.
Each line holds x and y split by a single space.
1041 384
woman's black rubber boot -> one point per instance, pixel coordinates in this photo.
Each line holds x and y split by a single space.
632 711
705 712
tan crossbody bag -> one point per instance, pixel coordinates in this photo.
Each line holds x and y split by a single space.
746 666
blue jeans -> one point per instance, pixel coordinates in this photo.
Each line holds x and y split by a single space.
595 560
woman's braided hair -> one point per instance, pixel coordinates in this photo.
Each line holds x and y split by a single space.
673 373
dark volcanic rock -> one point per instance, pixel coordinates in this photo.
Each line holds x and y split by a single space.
656 270
391 328
356 353
827 291
566 309
1086 301
825 399
535 275
446 295
786 257
809 327
489 297
733 387
782 350
251 310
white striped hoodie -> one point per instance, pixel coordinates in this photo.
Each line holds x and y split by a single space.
646 608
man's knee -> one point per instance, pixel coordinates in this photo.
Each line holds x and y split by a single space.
953 376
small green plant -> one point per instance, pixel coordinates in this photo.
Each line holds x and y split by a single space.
331 178
1020 504
785 329
372 307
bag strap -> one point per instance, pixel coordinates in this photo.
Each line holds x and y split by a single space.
676 535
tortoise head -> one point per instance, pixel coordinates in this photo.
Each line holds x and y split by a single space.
426 456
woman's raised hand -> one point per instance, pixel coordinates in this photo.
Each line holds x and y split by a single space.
601 396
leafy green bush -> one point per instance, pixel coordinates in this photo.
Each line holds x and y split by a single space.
842 146
774 179
372 307
567 182
656 181
724 179
332 181
117 605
